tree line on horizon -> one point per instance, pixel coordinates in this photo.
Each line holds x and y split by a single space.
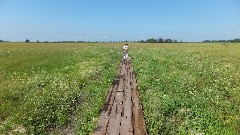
228 41
3 40
150 40
159 40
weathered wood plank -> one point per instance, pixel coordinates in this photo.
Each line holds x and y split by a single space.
122 112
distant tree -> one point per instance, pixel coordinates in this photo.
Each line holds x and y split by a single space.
151 40
206 41
37 41
236 40
174 41
27 40
142 41
229 41
160 40
1 40
168 41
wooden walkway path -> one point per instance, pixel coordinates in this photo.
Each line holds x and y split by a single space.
122 112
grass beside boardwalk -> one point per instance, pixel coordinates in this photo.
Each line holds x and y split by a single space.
189 88
43 84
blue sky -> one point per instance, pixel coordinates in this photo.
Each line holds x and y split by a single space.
115 20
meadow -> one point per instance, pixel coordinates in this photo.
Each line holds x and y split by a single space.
46 86
190 88
185 88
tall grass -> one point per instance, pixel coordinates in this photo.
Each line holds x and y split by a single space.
189 88
43 84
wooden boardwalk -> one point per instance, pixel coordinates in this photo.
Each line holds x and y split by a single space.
122 112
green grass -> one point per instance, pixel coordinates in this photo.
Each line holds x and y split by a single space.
42 84
189 88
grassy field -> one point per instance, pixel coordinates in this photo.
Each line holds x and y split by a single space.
190 88
187 88
44 84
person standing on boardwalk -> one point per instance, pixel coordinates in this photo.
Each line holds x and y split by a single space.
125 52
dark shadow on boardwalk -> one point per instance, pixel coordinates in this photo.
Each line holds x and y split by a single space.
122 112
